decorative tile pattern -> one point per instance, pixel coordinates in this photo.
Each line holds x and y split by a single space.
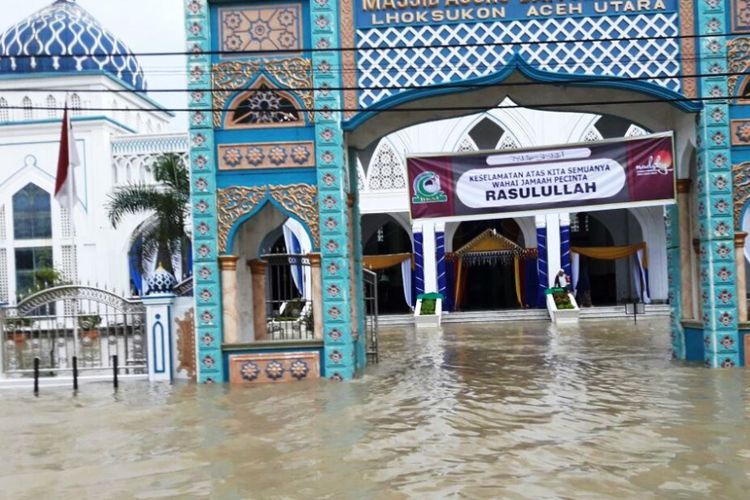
203 165
264 368
287 73
260 28
740 16
382 70
740 132
266 155
186 344
332 175
348 57
235 202
688 47
713 184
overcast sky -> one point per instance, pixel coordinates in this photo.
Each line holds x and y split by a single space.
144 26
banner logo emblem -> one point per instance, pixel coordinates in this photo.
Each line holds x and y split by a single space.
657 164
427 189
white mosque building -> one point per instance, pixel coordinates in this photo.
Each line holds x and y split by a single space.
115 144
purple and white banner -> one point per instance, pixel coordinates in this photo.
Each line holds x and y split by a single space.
594 176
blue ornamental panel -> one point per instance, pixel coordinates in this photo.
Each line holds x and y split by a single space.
449 41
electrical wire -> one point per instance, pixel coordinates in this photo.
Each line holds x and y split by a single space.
306 67
376 109
439 86
240 53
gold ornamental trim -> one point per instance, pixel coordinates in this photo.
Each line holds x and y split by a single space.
235 202
741 189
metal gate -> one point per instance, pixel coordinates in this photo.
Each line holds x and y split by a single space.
289 298
370 280
58 323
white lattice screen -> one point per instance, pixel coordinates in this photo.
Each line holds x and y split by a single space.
3 228
507 141
592 135
4 275
386 170
635 131
466 145
66 223
69 267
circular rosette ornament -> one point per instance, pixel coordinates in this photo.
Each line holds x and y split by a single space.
274 370
299 369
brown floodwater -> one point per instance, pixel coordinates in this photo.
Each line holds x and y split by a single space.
522 410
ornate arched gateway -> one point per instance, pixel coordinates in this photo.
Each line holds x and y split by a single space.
280 92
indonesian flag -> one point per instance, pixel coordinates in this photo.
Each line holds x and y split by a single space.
65 190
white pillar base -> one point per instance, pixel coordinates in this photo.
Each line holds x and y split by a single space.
159 336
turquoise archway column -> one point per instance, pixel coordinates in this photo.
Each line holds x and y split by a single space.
714 195
339 352
203 197
671 220
359 292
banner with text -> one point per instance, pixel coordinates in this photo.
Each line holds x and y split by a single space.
594 176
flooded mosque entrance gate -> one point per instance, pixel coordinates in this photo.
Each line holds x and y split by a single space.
302 88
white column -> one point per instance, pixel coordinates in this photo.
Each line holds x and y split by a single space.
553 247
430 261
159 336
3 341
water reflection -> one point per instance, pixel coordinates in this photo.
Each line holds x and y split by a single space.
517 411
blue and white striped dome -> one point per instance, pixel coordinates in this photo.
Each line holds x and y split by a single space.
40 43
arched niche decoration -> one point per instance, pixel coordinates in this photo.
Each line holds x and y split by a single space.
738 57
236 204
263 106
232 77
741 185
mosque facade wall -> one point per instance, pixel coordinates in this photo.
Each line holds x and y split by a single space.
349 72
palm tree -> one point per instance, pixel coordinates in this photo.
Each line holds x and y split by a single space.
163 235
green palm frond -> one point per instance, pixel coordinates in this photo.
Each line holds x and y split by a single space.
170 170
163 235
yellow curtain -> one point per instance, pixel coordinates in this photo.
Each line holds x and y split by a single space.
613 253
380 262
517 269
457 298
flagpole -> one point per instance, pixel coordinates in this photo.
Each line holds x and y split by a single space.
73 234
65 193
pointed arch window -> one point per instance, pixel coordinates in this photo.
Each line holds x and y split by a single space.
263 106
51 106
75 104
4 112
745 93
32 214
28 109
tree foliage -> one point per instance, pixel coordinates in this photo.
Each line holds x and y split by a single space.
163 234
